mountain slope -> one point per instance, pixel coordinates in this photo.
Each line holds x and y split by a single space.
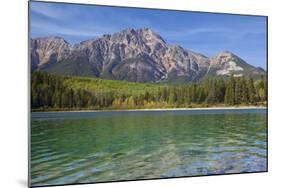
138 55
227 63
48 50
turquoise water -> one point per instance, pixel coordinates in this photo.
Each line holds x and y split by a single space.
82 147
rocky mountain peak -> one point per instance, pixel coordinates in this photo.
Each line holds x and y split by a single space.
227 63
48 50
225 53
139 55
223 57
52 40
136 36
148 35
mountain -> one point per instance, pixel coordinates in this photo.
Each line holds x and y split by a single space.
227 63
138 55
48 51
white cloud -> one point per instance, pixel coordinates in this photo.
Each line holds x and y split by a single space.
56 29
51 11
232 34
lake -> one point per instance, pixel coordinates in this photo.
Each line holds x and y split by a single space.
83 147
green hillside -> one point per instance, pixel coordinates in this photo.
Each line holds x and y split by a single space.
51 92
118 87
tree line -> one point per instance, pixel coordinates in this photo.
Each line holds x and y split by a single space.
50 92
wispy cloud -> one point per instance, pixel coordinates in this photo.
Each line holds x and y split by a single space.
48 23
189 33
51 10
50 28
205 33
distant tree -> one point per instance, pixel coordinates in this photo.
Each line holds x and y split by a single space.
171 98
51 91
251 90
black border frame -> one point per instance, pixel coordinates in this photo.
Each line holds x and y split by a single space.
101 5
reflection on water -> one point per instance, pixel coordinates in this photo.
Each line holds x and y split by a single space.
110 146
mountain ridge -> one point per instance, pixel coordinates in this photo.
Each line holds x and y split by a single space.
138 55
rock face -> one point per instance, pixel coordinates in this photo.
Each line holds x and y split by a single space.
227 64
48 50
134 55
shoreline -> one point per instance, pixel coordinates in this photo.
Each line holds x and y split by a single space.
159 109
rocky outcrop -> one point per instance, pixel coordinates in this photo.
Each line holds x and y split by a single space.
138 55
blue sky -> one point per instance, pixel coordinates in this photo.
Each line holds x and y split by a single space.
201 32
